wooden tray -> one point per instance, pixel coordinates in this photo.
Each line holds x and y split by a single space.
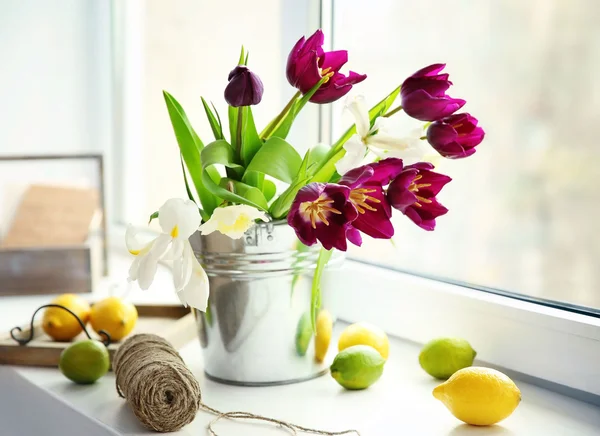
174 323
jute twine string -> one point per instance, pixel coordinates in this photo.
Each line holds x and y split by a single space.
164 395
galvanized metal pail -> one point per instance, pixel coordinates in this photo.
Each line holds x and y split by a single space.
260 287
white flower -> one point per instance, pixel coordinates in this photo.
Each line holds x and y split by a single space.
178 219
233 221
374 139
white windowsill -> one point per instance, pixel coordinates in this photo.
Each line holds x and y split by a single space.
550 344
400 402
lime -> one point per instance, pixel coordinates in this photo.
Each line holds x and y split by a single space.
362 333
479 396
357 367
85 361
303 334
442 357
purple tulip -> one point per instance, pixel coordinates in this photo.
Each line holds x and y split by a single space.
244 88
308 63
368 197
424 94
455 136
413 193
322 212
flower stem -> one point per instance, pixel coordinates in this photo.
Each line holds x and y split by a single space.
422 138
392 112
277 120
238 138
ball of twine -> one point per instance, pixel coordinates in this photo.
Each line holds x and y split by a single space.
163 393
151 376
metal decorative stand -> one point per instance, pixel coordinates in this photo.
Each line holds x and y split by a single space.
24 341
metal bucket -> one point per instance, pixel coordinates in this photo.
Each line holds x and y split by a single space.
260 288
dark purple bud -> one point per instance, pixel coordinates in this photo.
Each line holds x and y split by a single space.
456 136
424 95
244 88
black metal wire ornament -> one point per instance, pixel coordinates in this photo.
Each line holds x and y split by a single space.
24 341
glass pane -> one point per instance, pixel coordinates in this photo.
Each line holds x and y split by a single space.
522 209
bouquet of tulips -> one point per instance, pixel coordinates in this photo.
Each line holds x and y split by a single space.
330 195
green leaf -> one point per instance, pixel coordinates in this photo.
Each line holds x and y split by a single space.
220 153
285 124
324 174
250 193
242 57
190 146
246 60
278 159
281 206
233 116
254 179
302 171
187 185
215 123
153 217
251 142
316 155
269 189
384 105
315 294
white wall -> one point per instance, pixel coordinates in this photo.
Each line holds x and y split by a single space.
54 90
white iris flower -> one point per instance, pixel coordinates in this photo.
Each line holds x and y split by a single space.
233 221
178 219
374 139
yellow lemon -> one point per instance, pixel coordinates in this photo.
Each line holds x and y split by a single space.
323 334
59 324
479 396
363 333
115 316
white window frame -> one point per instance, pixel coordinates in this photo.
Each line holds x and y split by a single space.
557 348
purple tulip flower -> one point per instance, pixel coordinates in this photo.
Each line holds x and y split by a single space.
424 94
413 193
308 63
322 212
244 88
455 136
368 197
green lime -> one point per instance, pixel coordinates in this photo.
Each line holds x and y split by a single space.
85 361
357 367
442 357
303 334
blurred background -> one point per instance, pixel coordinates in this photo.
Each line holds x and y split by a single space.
85 77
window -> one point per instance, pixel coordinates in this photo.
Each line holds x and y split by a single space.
523 209
167 49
